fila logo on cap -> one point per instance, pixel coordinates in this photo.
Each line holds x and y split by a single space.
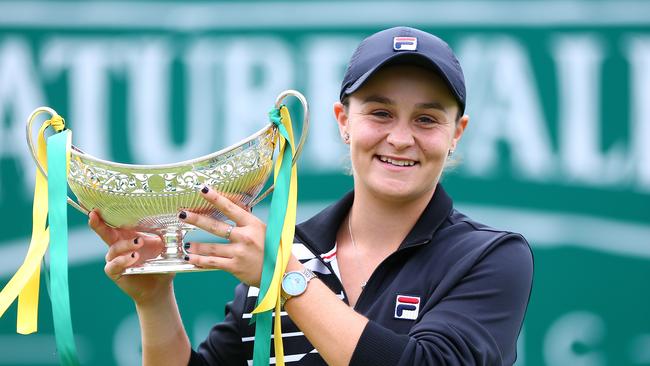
407 307
405 43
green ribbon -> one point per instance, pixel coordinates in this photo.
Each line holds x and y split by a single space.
58 222
279 202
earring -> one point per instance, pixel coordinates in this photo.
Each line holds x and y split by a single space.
346 137
450 153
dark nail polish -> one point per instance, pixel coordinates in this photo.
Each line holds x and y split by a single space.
187 245
135 241
133 255
182 215
205 189
187 257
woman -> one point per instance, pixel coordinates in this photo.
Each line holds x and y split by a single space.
401 277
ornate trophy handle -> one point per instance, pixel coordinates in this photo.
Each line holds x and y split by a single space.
32 150
303 133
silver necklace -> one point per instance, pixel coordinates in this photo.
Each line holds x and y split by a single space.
356 251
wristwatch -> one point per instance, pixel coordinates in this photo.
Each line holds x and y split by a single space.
294 284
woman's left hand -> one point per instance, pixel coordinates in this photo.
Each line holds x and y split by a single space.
244 255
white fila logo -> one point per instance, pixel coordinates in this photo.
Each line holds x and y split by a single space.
407 307
405 43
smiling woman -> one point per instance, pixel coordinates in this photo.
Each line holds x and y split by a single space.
391 274
402 127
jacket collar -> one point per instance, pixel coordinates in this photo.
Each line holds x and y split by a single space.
319 232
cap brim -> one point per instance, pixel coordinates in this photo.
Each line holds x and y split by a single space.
407 58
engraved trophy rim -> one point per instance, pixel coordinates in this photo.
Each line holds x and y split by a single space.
77 151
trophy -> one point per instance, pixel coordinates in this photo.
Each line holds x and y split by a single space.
147 198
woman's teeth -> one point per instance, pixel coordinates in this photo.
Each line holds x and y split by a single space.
397 162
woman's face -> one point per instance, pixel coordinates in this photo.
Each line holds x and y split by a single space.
401 126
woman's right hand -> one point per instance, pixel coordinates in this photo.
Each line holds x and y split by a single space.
127 248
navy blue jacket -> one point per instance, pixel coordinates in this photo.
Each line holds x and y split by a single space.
454 293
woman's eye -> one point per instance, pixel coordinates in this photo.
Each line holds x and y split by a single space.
426 120
382 114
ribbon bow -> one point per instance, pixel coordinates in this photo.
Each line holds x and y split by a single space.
50 196
277 244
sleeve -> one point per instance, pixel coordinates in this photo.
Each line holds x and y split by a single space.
476 323
224 345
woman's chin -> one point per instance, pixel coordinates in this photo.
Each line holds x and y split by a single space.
400 192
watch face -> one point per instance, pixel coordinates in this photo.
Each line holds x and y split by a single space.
294 284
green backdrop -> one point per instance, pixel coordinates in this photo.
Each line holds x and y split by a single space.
558 145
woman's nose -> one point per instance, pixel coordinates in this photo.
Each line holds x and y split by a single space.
400 136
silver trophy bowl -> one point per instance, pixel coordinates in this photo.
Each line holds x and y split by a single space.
148 198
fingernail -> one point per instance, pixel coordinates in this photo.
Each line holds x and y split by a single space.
135 241
133 255
187 257
182 215
205 189
187 245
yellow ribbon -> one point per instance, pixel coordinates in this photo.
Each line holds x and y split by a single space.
25 282
272 298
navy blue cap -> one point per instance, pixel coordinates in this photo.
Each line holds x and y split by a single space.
404 45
